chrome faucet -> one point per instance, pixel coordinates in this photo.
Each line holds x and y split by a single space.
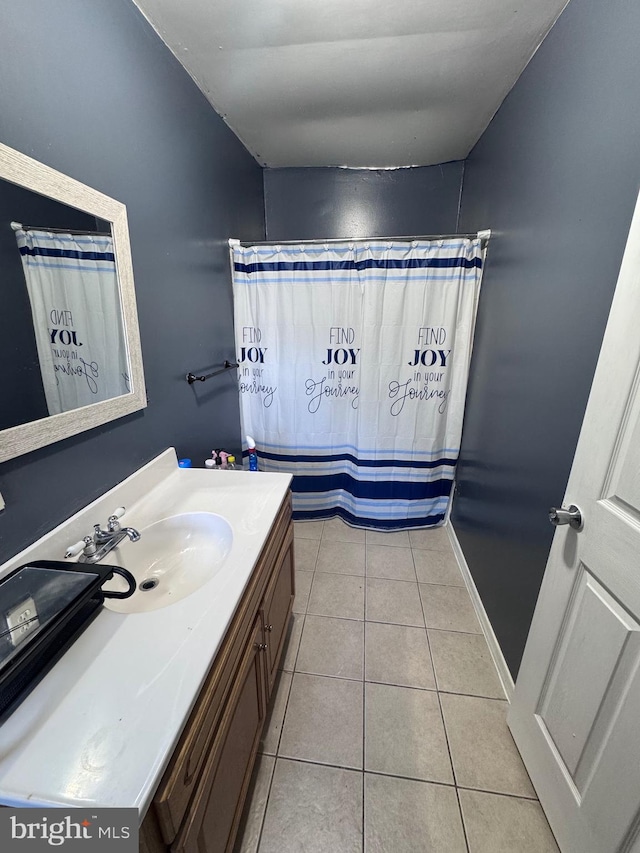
95 547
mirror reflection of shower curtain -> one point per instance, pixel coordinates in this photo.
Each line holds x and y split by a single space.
75 304
353 362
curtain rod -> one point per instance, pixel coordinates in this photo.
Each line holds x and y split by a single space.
18 226
481 235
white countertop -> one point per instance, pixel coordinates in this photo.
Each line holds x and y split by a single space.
100 728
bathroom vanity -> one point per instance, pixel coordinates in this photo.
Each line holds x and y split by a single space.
198 804
160 704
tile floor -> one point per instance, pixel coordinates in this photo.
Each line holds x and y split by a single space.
387 728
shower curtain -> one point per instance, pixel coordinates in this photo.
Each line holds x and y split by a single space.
75 305
353 360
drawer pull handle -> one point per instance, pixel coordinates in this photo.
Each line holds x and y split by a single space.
268 628
260 647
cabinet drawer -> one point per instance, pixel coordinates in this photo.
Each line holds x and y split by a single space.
217 806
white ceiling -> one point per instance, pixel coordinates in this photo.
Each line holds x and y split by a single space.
359 83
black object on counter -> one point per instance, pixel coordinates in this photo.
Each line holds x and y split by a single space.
49 604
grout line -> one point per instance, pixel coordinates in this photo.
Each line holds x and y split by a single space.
386 578
401 686
472 695
529 799
323 675
382 773
341 618
333 616
297 600
313 580
400 624
446 737
458 631
339 574
364 772
450 585
396 684
266 802
415 572
444 725
364 653
315 562
381 578
409 779
320 763
295 661
392 683
397 580
381 622
364 708
464 827
284 715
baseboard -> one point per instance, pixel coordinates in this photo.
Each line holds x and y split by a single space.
494 647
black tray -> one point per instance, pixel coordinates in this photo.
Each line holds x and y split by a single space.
67 597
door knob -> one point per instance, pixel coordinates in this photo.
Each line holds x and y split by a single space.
571 516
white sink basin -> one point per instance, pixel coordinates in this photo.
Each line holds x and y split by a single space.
173 558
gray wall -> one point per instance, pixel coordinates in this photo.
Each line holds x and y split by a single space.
89 89
305 204
555 176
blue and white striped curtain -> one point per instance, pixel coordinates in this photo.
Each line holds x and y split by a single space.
353 363
75 305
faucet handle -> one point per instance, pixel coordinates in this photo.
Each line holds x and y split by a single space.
83 545
74 550
113 525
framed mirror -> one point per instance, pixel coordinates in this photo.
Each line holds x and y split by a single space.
69 338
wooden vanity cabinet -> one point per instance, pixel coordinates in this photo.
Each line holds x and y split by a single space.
198 804
275 612
213 816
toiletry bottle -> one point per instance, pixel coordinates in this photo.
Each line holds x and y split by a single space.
213 462
231 463
253 454
224 459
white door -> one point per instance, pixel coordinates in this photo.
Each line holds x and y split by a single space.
575 714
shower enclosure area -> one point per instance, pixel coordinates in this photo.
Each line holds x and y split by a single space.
353 359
